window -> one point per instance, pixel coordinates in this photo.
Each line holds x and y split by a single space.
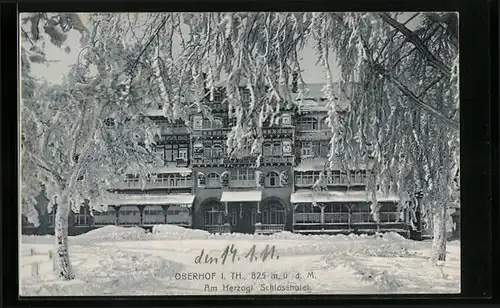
183 153
82 218
215 150
153 214
277 149
361 213
212 124
51 218
129 215
172 151
272 179
272 148
307 213
357 177
245 95
132 180
159 152
388 212
306 149
213 180
268 148
273 213
178 215
217 96
336 213
214 215
323 124
243 174
105 218
307 123
307 178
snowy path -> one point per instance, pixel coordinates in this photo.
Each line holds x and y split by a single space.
153 264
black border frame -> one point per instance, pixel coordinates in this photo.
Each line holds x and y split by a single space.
479 141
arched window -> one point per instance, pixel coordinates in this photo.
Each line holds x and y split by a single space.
273 213
307 213
212 180
214 214
272 179
336 213
217 150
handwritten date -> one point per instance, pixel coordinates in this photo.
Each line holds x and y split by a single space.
231 254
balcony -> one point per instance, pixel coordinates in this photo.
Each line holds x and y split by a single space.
286 132
277 160
207 161
159 183
248 160
215 132
242 183
169 129
314 134
268 229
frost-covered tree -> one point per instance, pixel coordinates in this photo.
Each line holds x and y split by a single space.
79 138
402 84
37 31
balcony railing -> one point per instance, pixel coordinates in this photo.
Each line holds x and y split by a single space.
278 131
242 183
211 161
277 159
263 228
314 134
159 183
168 129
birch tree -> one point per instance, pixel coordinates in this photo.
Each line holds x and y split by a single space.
81 137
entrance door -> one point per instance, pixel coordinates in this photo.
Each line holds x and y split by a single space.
241 218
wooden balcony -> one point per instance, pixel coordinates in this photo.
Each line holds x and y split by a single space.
242 183
277 160
324 134
283 132
167 183
268 229
207 161
225 228
168 129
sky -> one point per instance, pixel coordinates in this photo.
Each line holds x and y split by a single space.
53 72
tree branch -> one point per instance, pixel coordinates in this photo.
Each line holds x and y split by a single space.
407 92
418 43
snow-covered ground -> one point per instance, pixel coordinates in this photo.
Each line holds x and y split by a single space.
127 261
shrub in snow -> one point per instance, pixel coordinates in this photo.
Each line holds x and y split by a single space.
114 233
172 232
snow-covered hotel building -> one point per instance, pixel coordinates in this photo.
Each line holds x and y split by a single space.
199 186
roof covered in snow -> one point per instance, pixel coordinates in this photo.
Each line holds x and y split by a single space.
241 196
308 196
172 169
148 199
320 164
314 98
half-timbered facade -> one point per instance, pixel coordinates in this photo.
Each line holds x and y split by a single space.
199 185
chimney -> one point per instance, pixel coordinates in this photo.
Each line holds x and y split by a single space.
295 86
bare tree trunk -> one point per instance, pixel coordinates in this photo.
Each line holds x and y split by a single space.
64 269
439 229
